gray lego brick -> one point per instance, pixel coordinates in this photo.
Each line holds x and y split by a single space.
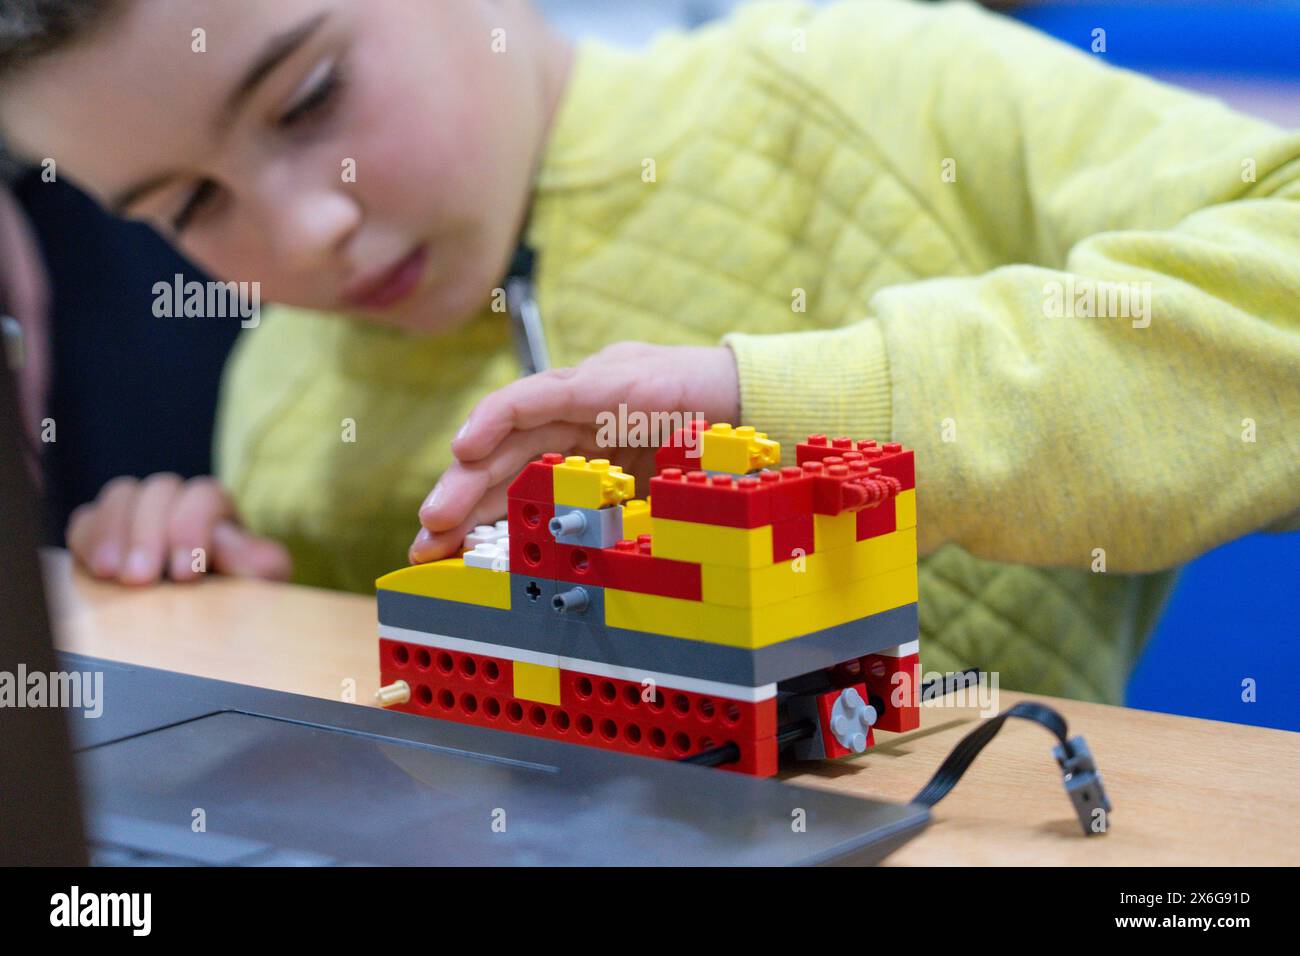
603 527
535 627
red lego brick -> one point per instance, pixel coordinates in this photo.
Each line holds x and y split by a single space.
629 566
594 711
537 481
699 715
790 535
792 496
840 485
433 674
672 724
891 458
895 683
878 520
832 491
878 486
675 453
532 546
815 448
717 499
825 704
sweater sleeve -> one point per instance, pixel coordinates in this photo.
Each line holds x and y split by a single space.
1121 369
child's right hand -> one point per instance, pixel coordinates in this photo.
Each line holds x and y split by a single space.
139 530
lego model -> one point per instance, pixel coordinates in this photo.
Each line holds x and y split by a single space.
742 610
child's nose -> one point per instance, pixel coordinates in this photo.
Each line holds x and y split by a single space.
312 228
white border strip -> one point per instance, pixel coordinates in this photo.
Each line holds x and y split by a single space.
900 650
670 681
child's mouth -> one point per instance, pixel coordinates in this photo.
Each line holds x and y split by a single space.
391 286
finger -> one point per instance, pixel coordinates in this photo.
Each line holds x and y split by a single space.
462 485
148 535
240 553
81 528
434 546
111 529
551 396
199 507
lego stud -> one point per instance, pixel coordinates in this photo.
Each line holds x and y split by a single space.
572 601
398 692
572 522
851 718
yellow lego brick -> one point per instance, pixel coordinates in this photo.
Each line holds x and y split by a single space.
451 580
636 518
755 627
537 682
857 599
591 484
832 532
695 620
752 627
905 509
864 559
697 542
675 617
738 450
748 587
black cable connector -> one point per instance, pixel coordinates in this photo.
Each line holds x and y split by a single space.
1083 784
1082 780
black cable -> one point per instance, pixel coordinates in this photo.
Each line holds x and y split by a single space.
1082 781
957 762
786 734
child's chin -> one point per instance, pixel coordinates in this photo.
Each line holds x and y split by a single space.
416 318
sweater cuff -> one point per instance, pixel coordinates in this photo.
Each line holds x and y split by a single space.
797 384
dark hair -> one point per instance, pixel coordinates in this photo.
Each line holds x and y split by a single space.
31 29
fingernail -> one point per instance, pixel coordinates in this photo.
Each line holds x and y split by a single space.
139 566
108 557
180 563
463 429
434 499
421 541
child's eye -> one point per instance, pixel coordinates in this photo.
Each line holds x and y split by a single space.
201 196
318 97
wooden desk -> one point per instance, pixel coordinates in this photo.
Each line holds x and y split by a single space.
1185 791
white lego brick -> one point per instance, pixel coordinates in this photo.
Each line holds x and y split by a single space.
485 533
493 555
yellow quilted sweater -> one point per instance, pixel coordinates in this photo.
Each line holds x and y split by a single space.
894 214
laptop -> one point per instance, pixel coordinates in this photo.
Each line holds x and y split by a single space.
181 770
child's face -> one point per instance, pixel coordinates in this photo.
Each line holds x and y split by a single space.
250 170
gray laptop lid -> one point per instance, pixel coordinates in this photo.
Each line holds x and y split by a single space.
275 777
38 805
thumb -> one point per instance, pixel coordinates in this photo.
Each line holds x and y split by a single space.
239 553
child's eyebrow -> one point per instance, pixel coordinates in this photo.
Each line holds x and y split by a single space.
274 52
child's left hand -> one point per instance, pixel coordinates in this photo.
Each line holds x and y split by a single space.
557 411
